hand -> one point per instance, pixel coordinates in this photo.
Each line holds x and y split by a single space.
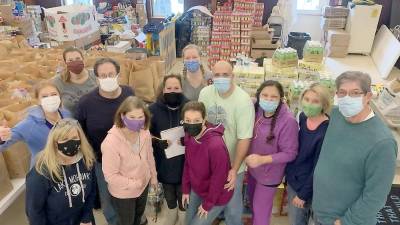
181 141
165 143
5 132
337 222
154 184
253 160
297 202
185 200
202 213
231 180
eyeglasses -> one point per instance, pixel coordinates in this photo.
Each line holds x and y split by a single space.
353 94
223 75
110 75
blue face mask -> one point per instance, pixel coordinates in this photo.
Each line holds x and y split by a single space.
268 106
222 84
192 65
350 106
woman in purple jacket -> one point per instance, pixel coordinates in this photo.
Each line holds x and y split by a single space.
274 144
206 167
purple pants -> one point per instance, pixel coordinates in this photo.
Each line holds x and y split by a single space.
261 201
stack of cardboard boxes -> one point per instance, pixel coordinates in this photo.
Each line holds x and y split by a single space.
337 43
24 23
334 17
262 44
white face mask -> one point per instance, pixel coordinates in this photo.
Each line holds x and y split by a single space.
50 104
109 84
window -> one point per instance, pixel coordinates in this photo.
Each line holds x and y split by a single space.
308 5
165 8
79 2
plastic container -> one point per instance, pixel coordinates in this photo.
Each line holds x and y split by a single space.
297 40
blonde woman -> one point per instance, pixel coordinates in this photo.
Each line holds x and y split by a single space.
128 162
35 128
76 81
61 188
195 78
313 121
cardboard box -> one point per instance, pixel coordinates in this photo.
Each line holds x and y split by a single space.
83 43
6 186
262 33
69 23
336 51
265 44
259 53
121 47
6 12
338 38
18 160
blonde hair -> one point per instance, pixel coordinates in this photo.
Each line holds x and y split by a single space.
187 47
44 84
66 76
48 164
323 94
128 105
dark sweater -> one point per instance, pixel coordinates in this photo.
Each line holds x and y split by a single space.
47 202
96 115
169 171
299 173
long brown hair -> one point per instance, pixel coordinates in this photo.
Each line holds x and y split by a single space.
278 86
128 105
160 94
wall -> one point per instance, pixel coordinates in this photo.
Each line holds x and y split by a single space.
310 24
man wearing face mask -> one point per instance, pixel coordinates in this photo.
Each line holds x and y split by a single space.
228 104
95 113
166 114
357 163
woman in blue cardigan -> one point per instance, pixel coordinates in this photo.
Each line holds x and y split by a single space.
35 128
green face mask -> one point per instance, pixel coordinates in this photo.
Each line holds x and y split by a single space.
311 110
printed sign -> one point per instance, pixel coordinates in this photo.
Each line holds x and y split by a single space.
390 214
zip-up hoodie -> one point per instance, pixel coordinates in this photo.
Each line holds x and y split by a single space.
207 165
283 148
33 131
163 118
67 202
127 169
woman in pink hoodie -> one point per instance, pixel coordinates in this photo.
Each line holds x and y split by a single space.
128 162
206 167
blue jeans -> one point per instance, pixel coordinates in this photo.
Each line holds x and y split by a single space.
105 197
297 216
191 213
234 210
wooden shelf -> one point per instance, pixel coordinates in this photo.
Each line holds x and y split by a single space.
18 188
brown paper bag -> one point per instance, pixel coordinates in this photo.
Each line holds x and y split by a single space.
9 117
18 159
6 186
142 84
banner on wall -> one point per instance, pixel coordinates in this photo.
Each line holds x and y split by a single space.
68 23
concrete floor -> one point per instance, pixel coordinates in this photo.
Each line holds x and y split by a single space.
15 215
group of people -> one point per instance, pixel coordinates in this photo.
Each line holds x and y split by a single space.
89 136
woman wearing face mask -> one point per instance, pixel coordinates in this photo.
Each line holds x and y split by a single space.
275 143
313 121
206 169
61 188
195 78
128 162
35 128
76 81
166 114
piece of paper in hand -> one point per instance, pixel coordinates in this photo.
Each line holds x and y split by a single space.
173 135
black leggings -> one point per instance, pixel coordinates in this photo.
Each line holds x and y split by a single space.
130 210
173 196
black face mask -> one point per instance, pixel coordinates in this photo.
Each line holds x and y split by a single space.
69 148
173 99
193 129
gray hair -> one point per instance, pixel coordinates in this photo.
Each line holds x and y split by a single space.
362 78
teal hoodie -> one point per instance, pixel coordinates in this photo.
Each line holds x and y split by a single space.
33 131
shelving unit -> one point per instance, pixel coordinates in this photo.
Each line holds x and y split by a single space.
18 188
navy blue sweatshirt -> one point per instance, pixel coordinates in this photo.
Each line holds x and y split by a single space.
299 173
49 202
169 171
96 116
